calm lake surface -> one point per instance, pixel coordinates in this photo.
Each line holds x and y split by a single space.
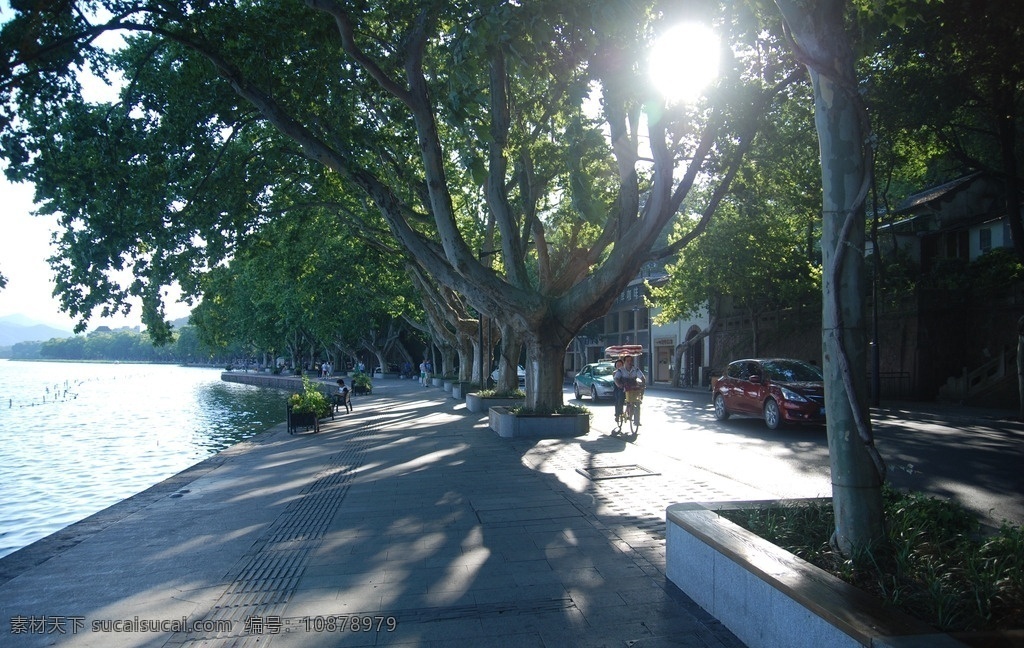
78 437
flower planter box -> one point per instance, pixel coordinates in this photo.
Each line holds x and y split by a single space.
307 420
437 382
536 426
478 405
447 385
461 389
768 597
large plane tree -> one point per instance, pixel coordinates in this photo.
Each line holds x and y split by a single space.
442 117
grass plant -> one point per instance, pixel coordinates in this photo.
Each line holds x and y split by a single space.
939 564
491 393
564 410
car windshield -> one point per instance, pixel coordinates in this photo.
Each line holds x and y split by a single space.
792 371
604 369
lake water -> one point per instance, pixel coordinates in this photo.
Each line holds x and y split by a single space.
78 437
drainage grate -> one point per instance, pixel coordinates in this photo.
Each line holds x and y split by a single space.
597 473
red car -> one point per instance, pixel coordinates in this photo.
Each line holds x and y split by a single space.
780 390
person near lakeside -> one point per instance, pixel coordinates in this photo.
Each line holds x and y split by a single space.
344 395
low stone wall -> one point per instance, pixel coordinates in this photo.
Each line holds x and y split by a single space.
293 383
768 597
478 404
555 426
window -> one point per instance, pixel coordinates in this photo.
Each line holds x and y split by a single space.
641 319
985 239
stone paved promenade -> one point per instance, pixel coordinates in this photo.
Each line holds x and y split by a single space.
405 523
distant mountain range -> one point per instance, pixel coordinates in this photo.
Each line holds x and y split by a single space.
18 328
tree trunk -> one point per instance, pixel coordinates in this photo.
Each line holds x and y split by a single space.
545 359
1020 365
822 44
544 380
465 351
447 359
508 359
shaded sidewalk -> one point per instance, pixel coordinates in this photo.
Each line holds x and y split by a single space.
407 522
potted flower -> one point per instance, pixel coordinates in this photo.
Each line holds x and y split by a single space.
361 383
481 401
307 407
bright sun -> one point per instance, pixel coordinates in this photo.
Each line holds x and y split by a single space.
683 61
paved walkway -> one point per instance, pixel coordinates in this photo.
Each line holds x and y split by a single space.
407 522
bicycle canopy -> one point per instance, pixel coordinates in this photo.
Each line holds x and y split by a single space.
622 350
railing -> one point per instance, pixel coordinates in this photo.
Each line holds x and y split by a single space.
893 384
970 383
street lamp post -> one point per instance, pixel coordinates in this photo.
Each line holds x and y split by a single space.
650 344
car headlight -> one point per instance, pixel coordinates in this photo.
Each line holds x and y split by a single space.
791 395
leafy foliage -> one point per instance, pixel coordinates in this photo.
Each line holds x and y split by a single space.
751 256
465 128
311 400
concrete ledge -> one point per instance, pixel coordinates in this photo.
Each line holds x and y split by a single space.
768 597
553 426
461 389
478 405
263 380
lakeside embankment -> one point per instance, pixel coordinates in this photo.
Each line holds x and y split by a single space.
263 379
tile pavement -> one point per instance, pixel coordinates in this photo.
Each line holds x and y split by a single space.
405 523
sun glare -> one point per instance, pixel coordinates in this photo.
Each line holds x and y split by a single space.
683 61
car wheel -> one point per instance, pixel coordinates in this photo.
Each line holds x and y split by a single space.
576 390
772 416
720 412
593 393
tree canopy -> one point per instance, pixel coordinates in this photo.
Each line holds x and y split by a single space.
464 127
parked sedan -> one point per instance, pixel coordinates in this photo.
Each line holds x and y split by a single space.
520 372
777 389
595 379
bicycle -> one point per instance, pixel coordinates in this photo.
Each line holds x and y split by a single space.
630 411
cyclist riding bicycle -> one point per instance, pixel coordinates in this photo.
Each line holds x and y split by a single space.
631 379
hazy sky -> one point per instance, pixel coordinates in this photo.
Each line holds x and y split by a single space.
24 248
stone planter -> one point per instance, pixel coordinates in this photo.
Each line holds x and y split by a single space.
437 382
478 405
768 597
461 389
536 426
447 385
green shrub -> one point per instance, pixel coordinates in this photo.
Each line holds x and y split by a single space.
490 393
938 565
564 410
310 399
